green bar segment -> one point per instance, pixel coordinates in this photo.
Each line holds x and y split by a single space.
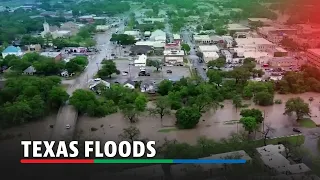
133 161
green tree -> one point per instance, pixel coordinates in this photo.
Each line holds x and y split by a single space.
255 113
164 87
131 105
162 107
123 39
249 124
57 96
108 68
298 106
214 77
187 117
155 63
185 47
263 98
237 101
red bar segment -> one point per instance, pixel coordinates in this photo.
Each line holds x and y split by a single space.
57 161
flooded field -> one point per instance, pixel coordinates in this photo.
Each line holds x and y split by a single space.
213 124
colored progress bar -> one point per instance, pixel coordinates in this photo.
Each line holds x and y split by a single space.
133 161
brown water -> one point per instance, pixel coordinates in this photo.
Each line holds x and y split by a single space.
212 123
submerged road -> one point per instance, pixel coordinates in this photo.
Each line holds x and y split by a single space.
67 115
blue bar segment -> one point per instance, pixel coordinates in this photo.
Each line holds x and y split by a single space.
209 161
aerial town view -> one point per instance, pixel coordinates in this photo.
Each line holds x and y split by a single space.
203 78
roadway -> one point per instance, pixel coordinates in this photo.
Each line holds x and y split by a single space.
67 114
194 59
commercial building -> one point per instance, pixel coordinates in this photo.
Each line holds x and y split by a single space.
284 62
177 37
210 56
205 48
255 44
228 55
135 34
173 56
173 46
141 61
232 28
158 35
202 39
275 34
313 57
55 55
273 158
263 21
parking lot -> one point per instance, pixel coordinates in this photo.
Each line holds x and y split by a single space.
123 65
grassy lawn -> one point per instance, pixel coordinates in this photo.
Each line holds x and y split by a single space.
307 123
295 140
168 130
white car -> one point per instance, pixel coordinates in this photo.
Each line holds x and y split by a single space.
97 79
125 73
68 126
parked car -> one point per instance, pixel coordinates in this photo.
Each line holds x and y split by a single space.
112 54
143 73
68 126
169 71
296 130
124 73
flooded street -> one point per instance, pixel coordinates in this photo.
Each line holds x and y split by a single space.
213 124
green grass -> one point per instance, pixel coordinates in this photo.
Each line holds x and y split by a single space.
294 140
168 130
307 123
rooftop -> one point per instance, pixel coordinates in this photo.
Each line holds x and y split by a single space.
212 48
259 19
173 52
12 49
252 41
272 156
50 54
237 27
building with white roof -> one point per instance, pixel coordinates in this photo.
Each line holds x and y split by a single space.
176 37
210 56
158 35
55 55
212 48
255 44
237 28
202 39
273 157
228 55
141 61
135 34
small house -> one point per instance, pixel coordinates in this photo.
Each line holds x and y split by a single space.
29 71
129 84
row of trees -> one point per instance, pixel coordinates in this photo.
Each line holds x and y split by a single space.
26 99
43 65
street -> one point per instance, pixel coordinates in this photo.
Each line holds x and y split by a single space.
187 38
67 115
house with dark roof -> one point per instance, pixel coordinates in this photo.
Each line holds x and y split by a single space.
129 84
12 50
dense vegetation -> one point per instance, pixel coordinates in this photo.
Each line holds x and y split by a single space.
26 99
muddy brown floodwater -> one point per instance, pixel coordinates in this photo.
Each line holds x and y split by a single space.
213 124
